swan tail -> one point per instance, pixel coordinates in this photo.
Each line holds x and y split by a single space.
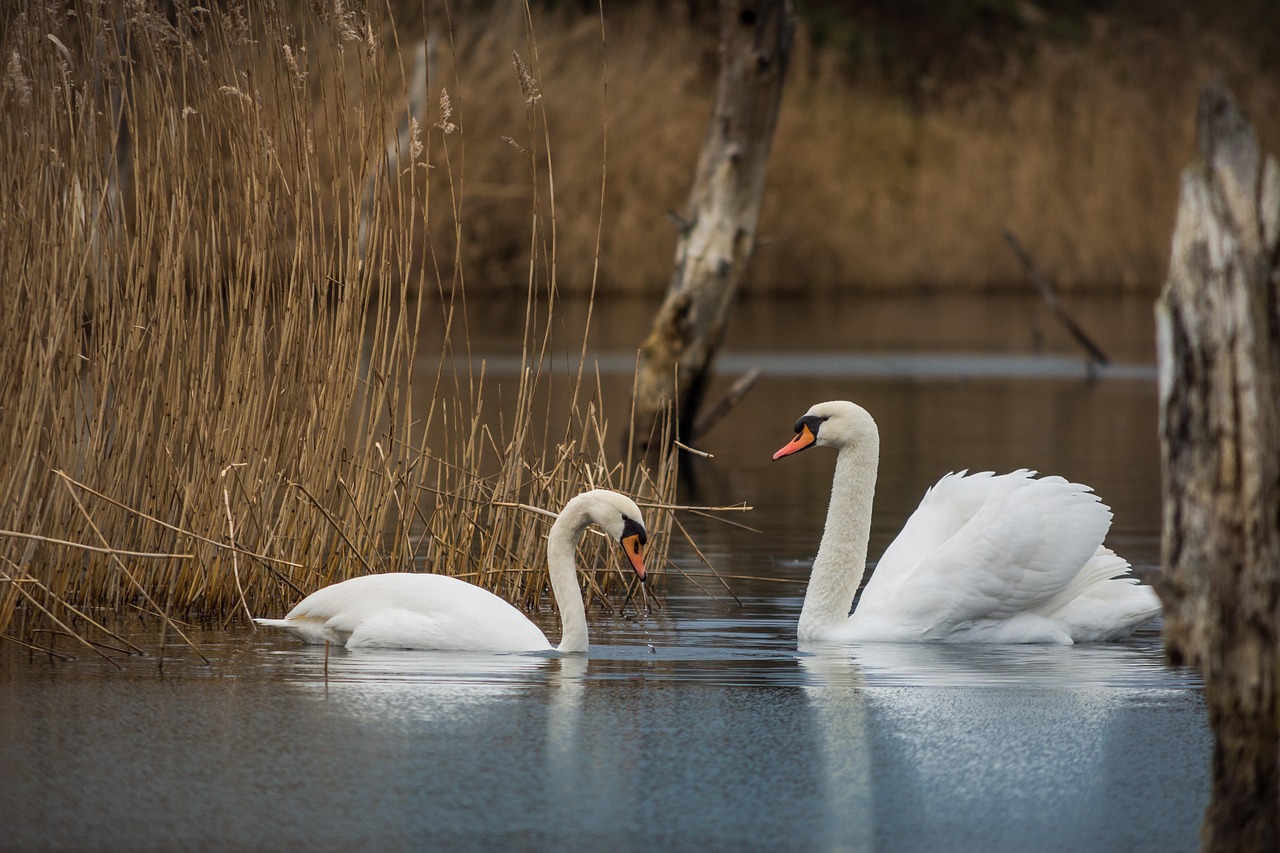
310 630
1104 602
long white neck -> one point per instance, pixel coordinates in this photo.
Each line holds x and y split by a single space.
561 543
842 556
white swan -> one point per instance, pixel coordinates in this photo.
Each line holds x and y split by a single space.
984 558
404 610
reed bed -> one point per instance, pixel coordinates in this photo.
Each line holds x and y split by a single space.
220 285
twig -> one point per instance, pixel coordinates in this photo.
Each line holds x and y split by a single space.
705 561
74 610
692 508
55 620
539 510
214 542
38 649
687 449
713 517
1051 299
145 555
731 398
336 526
128 574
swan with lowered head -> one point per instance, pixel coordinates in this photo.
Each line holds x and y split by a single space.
984 558
405 610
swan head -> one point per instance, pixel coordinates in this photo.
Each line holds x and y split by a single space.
622 520
837 424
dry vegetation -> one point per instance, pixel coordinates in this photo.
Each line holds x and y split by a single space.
1075 147
209 404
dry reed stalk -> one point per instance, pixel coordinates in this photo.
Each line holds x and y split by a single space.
220 276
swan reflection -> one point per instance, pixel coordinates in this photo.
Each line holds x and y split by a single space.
1133 665
835 689
1055 735
410 687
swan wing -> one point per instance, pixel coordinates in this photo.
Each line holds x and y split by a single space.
404 610
982 548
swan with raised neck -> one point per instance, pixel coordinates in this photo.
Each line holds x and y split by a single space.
985 558
841 562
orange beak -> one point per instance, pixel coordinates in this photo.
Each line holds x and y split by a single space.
634 549
804 438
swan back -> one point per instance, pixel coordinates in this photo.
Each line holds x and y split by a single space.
407 610
983 548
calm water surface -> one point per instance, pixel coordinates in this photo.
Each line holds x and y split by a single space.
696 724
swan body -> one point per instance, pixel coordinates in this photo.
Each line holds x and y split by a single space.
405 610
1010 558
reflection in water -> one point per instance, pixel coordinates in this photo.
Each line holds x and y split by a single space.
1128 665
1042 747
724 738
564 714
392 687
835 690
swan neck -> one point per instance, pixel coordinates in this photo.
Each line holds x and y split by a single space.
562 568
842 557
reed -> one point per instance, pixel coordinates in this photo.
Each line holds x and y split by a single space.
221 277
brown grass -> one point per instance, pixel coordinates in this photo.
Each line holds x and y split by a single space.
212 247
1077 149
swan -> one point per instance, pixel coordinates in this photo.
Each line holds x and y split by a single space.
1008 558
404 610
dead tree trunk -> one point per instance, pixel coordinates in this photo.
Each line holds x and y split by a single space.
1218 324
718 234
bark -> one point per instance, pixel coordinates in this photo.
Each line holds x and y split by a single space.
1218 325
718 234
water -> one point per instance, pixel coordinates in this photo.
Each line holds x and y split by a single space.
723 736
698 724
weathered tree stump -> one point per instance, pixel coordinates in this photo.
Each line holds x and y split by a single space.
1218 325
718 232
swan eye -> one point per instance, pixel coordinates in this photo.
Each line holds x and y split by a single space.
631 527
813 422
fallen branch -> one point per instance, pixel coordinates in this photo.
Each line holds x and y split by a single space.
731 398
1051 299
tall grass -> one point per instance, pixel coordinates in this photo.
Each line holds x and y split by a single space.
216 225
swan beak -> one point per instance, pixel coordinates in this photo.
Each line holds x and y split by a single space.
634 549
804 438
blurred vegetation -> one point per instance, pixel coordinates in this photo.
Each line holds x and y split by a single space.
911 133
921 45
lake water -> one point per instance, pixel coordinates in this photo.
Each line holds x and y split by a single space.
695 724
